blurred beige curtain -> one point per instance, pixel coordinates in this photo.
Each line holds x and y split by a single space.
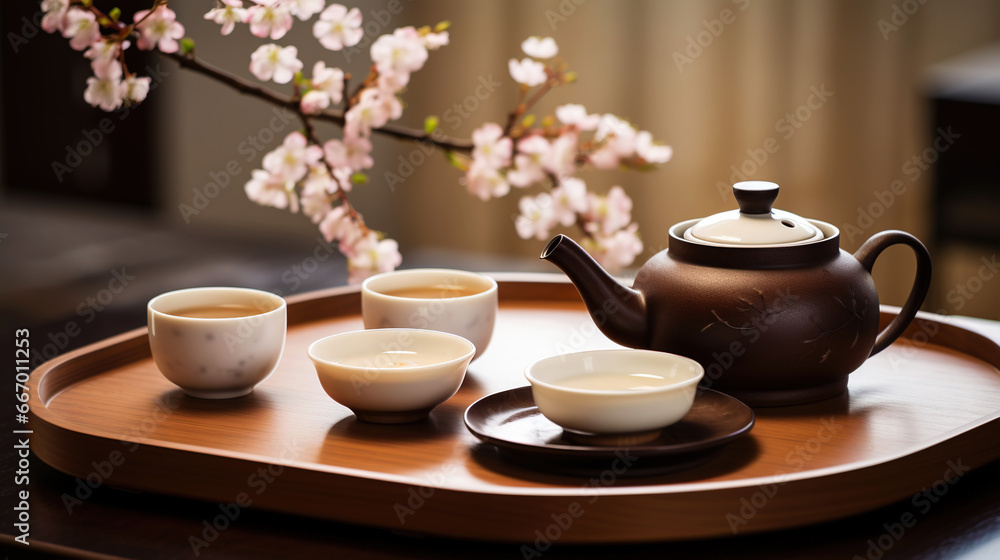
823 97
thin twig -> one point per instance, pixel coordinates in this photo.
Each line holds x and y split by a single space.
333 116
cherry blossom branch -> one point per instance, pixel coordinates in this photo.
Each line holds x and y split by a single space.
189 62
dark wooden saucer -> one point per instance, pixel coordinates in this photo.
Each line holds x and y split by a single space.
510 421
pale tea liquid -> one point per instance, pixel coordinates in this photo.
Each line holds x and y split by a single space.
438 291
223 311
616 382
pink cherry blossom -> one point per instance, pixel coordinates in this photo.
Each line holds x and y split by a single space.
371 256
81 27
291 160
318 194
403 52
434 41
55 15
561 160
338 27
650 151
619 141
159 29
305 9
103 49
528 170
528 72
134 89
338 225
269 18
104 87
539 47
484 181
313 102
352 153
606 214
228 15
491 146
327 87
536 218
373 109
392 83
576 115
268 189
616 251
273 62
569 199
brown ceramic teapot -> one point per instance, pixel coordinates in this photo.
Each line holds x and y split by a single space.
765 300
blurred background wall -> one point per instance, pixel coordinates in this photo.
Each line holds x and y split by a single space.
849 91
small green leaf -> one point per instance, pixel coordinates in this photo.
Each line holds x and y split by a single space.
456 161
569 77
548 121
528 120
105 22
86 3
430 124
442 26
187 45
114 14
359 178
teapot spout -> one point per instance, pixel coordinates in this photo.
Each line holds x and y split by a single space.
619 311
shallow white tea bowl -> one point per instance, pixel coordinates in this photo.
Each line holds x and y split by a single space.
614 397
452 301
210 355
391 376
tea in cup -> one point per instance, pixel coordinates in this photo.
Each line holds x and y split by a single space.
216 343
452 301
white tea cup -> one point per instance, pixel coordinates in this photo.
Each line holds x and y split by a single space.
452 301
216 343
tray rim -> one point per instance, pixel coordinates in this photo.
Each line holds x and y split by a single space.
961 328
136 334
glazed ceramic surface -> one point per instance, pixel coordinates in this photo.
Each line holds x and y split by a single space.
222 357
559 388
772 323
471 316
391 375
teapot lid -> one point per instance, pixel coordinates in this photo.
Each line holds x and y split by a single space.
755 223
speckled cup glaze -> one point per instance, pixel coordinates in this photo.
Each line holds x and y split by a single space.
216 358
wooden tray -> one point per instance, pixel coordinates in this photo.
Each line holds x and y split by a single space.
915 415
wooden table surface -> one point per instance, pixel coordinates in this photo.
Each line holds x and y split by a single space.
962 522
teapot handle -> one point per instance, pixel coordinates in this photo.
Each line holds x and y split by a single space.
870 251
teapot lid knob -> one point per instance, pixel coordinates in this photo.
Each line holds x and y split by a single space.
755 197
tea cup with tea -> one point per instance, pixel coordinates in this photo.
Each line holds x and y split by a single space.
216 343
452 301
